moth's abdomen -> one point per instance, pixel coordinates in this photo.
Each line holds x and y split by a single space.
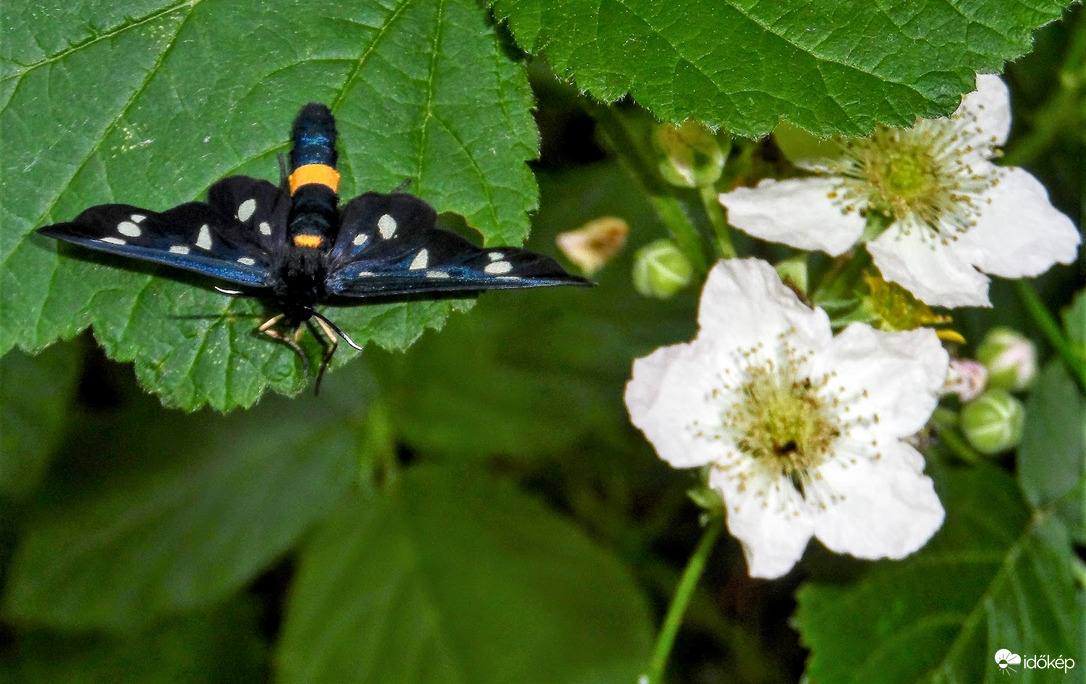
314 137
313 154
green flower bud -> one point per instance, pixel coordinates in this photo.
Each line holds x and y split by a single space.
661 269
804 149
993 422
793 272
1010 357
692 157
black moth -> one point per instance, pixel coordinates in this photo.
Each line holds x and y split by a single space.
293 246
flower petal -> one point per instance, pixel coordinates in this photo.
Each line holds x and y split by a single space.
768 518
744 303
937 274
889 508
893 375
1020 233
798 212
990 103
666 397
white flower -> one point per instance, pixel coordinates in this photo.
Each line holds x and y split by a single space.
803 433
953 213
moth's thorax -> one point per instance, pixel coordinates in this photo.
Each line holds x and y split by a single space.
302 267
299 282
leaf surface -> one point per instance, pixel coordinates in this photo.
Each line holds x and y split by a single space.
828 66
449 577
994 577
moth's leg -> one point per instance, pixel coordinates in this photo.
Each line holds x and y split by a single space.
329 349
268 328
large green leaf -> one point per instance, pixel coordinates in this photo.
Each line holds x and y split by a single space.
828 66
994 577
150 103
188 508
448 577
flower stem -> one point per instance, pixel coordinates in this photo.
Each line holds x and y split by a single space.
683 592
627 140
682 231
838 288
715 212
945 423
1051 329
1061 114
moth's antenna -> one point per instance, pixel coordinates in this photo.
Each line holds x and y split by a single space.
283 174
336 329
402 186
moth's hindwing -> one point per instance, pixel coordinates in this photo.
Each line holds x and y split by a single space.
389 245
232 237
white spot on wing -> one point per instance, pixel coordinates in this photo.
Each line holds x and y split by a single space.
387 225
113 241
246 261
498 267
265 228
136 218
437 274
128 228
203 240
245 211
360 239
420 260
179 249
494 256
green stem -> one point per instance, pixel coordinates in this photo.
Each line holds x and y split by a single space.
715 212
378 452
681 230
683 592
945 423
620 128
1054 119
840 283
1061 114
1051 330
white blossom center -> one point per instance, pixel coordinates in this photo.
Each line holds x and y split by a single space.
933 178
780 423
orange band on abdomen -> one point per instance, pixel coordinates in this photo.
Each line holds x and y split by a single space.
321 174
308 240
